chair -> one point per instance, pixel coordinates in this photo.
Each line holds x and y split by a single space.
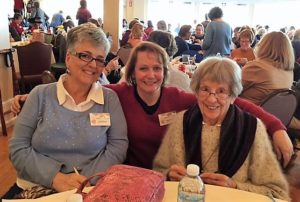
3 125
60 48
34 58
124 53
282 104
48 77
293 132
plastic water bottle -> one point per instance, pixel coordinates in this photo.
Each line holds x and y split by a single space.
191 188
23 37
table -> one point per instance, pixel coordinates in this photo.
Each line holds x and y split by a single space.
213 194
218 194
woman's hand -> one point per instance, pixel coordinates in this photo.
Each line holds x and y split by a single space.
241 61
218 179
112 65
64 182
198 42
17 102
283 146
176 173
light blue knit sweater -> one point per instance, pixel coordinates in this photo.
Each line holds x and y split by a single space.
49 138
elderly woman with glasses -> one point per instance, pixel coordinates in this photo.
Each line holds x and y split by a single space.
74 123
230 146
244 53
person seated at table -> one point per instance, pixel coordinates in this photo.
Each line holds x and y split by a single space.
68 24
149 104
271 70
244 53
36 24
198 36
230 146
135 37
72 123
16 25
94 21
185 47
167 41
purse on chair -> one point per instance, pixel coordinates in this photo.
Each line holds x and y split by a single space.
126 183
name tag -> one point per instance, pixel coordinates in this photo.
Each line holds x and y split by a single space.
100 119
166 118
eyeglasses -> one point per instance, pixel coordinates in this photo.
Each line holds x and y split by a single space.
88 58
220 94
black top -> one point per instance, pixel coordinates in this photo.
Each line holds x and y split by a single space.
148 109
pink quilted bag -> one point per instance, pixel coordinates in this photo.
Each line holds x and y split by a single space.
126 183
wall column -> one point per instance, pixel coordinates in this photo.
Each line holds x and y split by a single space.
112 19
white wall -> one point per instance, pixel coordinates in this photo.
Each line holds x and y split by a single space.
276 14
7 9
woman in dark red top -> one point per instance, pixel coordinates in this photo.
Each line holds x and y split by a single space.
16 23
83 14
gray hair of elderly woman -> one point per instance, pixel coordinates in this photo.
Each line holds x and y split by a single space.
87 32
149 47
219 70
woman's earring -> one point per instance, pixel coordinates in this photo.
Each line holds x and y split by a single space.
68 71
133 81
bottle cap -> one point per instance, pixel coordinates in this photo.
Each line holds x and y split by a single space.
193 170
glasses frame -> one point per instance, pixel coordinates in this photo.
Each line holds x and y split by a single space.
205 93
85 57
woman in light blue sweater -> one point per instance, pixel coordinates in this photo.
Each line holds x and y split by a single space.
72 123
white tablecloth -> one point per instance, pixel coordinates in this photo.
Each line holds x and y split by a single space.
213 194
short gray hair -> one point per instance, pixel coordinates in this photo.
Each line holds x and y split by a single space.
220 70
87 32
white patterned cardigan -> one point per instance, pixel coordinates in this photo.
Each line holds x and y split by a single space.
260 173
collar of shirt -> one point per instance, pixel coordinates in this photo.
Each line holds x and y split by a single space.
65 99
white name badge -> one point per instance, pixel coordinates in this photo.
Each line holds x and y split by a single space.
100 119
166 118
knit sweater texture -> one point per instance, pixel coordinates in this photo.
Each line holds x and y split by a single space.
252 175
49 138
